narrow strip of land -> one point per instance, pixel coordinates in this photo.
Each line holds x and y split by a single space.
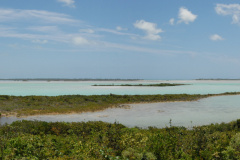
142 85
33 105
66 79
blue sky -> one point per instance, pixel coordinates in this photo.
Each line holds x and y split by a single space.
177 39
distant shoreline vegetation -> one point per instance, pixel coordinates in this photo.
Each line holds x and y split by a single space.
142 85
39 105
62 79
216 79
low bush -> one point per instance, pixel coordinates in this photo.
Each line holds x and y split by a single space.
100 140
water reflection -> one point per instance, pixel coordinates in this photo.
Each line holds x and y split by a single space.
205 111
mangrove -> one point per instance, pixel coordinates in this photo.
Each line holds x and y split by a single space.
106 141
33 105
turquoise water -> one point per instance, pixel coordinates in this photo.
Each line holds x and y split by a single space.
205 111
21 88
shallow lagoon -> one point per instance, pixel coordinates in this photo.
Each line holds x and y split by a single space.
205 111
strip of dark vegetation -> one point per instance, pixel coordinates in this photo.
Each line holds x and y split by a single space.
216 79
32 105
142 85
62 79
99 140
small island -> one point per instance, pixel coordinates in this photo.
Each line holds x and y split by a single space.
142 85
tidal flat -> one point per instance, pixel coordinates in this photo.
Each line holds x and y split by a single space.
215 109
34 105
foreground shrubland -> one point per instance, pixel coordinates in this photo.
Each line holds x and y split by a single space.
99 140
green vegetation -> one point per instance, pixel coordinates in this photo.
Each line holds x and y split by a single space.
142 85
99 140
32 105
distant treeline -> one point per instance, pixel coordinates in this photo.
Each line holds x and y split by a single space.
142 85
105 141
32 105
216 79
62 79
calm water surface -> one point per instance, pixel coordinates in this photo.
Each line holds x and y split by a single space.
54 88
205 111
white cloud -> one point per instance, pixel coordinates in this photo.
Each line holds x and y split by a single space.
171 21
35 15
80 41
186 16
69 3
230 9
121 29
235 19
150 28
216 37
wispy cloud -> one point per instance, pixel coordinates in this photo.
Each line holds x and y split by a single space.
12 33
51 27
152 32
216 37
119 28
40 41
87 30
69 3
80 41
186 16
114 32
41 32
15 15
171 21
229 9
44 29
146 50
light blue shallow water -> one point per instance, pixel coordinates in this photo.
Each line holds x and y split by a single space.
205 111
20 88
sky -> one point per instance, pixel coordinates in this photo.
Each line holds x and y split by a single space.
137 39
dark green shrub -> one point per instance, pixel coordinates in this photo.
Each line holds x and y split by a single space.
100 140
